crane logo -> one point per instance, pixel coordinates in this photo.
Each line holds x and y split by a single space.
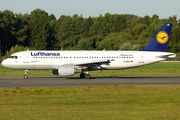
162 37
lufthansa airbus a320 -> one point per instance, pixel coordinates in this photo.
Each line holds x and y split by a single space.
67 63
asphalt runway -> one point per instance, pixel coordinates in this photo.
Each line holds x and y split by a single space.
95 81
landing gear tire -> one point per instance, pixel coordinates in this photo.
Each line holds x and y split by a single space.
25 77
87 76
82 75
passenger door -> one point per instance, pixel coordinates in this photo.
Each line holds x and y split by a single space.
26 57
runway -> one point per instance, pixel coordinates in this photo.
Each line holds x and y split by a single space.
95 81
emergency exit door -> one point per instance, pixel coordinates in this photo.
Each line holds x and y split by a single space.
141 58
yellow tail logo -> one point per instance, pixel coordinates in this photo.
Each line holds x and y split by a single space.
162 37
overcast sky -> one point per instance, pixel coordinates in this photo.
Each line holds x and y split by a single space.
93 8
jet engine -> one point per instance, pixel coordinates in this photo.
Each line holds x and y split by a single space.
66 71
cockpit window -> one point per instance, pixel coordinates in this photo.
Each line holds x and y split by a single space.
13 57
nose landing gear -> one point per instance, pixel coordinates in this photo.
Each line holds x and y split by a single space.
26 76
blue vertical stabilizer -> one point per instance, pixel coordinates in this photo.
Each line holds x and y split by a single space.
160 40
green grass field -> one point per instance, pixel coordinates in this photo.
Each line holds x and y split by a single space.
160 102
157 69
131 102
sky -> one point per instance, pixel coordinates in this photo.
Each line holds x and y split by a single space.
93 8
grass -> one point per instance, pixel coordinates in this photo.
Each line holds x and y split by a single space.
91 103
157 69
150 102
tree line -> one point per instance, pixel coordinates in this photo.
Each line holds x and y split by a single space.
41 31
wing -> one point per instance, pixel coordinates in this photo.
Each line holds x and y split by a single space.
90 64
85 64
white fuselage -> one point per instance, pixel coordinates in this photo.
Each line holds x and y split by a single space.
49 60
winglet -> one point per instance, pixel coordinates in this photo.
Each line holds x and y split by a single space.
160 40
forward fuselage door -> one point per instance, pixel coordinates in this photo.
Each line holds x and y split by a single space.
26 57
141 58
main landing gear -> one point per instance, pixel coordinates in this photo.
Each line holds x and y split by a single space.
26 76
87 76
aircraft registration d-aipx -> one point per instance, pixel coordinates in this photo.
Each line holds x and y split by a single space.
67 63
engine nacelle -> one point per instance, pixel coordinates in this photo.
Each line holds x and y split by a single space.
66 71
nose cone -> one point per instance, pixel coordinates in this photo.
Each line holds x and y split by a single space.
4 63
9 63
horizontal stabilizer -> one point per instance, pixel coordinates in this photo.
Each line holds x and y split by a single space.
165 55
